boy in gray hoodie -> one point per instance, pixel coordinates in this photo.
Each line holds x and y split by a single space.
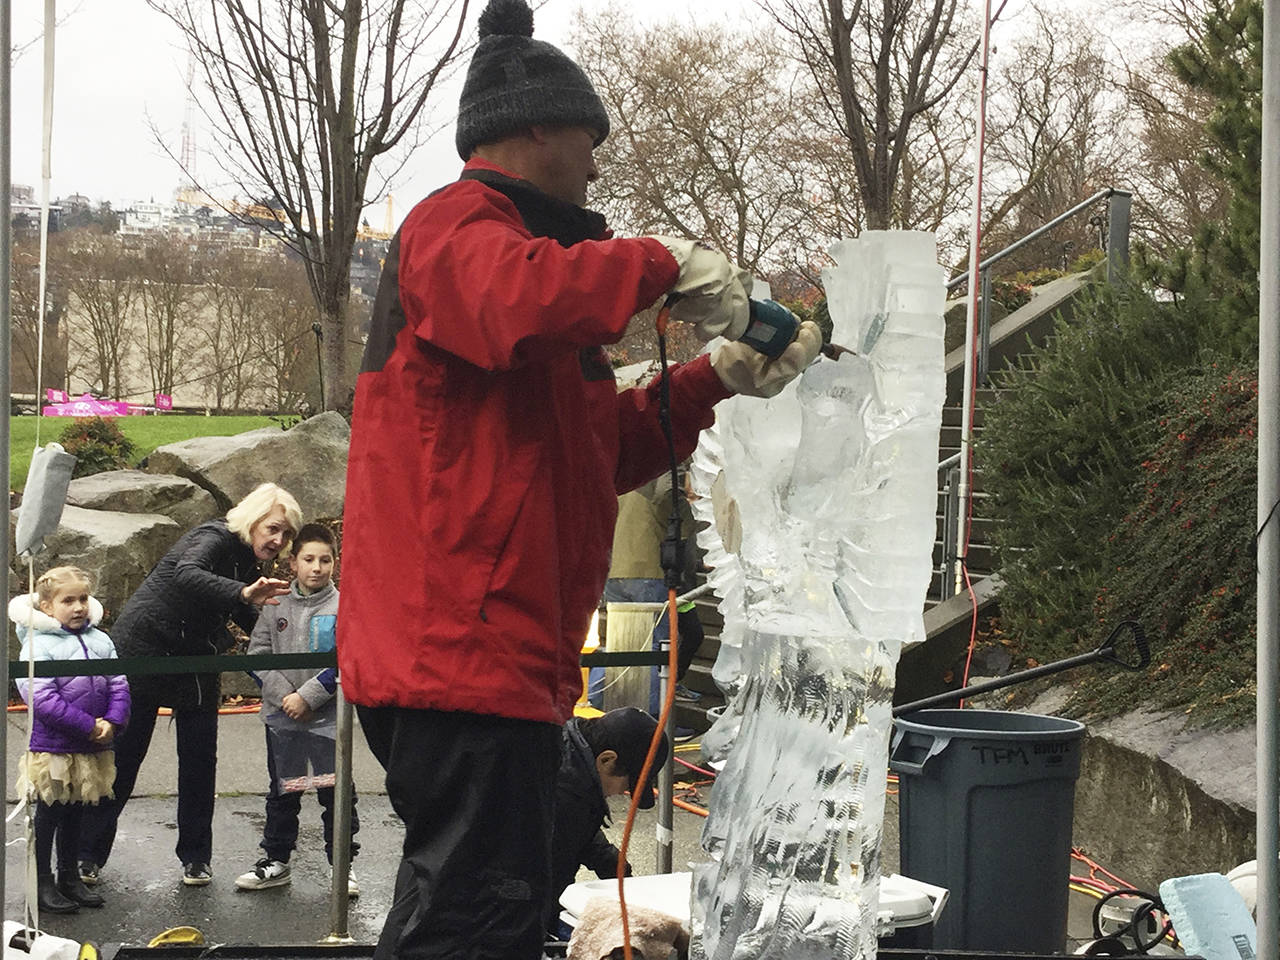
299 709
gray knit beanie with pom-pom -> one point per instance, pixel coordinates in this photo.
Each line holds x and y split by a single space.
515 82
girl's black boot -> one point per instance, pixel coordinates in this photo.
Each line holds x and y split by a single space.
72 887
51 899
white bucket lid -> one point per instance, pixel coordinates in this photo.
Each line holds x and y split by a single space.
903 903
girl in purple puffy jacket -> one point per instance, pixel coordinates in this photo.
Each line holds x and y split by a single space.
74 721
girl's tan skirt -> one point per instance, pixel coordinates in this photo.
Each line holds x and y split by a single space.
68 777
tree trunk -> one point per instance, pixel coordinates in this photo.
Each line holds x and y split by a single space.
335 336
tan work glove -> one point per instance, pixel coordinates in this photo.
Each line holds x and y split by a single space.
713 292
745 370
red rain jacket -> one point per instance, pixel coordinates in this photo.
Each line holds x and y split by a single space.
488 446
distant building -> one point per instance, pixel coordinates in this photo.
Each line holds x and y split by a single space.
24 210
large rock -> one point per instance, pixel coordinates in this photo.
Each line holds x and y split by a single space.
117 549
132 491
309 460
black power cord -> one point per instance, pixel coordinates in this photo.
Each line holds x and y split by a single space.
1144 912
672 554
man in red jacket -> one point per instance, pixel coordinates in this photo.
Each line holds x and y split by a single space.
488 447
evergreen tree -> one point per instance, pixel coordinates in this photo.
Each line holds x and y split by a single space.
1226 62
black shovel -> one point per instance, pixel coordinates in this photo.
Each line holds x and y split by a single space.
1109 651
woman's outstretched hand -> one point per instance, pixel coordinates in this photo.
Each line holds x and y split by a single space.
264 591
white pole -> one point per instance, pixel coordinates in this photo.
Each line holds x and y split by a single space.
1268 495
975 283
46 174
6 44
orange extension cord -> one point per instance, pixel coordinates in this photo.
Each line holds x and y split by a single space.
667 703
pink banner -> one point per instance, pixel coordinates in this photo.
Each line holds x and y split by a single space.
164 401
87 406
56 396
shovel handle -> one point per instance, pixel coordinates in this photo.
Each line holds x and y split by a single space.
1143 649
1107 651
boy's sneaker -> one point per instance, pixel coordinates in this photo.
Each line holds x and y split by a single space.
265 873
89 873
196 874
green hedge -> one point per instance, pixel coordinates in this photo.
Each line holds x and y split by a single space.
1185 555
1062 452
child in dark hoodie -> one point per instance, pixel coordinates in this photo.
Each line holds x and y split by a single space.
73 723
299 710
600 757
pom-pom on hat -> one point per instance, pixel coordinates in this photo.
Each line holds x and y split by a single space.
515 82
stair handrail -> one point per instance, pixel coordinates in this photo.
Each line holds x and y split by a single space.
1117 260
1117 251
1117 234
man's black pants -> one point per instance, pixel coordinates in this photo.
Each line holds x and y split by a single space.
476 794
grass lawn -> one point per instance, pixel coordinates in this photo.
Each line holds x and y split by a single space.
147 433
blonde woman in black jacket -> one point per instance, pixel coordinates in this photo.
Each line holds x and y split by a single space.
212 575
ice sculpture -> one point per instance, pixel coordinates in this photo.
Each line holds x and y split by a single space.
823 504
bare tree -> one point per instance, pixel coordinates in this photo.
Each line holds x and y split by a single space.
235 296
102 278
879 67
706 139
1175 192
167 294
282 338
24 294
1059 131
304 96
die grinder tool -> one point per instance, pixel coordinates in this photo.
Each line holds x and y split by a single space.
772 327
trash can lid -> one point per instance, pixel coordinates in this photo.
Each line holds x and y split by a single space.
990 724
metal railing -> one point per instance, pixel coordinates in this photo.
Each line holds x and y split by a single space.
1116 246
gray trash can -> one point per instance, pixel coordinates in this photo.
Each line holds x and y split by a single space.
985 805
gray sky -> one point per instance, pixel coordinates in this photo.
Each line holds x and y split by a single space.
120 67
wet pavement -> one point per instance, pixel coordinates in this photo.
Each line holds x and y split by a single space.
142 881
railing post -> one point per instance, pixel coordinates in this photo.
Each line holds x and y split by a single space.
1118 234
950 551
984 327
339 902
666 775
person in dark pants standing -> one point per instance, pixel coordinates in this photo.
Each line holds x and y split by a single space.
300 712
211 575
489 444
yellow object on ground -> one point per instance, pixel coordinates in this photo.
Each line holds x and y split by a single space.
178 937
591 645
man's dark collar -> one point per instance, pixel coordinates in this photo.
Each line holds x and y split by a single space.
544 215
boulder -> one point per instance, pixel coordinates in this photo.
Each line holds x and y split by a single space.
309 460
132 491
117 549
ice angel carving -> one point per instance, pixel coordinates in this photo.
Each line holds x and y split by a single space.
822 504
